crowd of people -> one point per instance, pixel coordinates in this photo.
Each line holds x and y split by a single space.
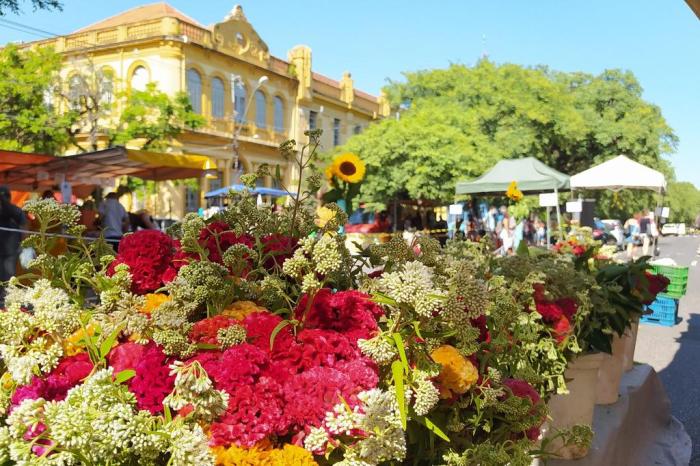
109 219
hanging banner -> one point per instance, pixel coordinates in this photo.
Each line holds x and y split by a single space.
574 206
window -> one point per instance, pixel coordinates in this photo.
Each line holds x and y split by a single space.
75 92
239 101
218 98
313 119
336 131
260 110
279 114
357 129
139 78
194 90
106 86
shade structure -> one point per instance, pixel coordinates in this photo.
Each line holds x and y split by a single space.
30 172
530 174
620 173
239 188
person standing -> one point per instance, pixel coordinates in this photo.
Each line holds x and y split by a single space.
12 217
113 219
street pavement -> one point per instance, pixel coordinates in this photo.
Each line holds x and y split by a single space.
675 351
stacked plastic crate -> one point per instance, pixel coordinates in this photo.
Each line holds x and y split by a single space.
664 311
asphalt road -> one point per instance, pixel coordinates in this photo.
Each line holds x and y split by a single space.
675 351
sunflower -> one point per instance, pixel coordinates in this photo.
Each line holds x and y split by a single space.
349 168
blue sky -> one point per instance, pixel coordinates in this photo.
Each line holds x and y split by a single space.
659 40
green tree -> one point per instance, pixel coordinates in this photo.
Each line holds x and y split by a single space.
152 118
456 123
12 6
28 88
683 199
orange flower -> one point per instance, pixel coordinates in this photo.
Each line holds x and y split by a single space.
242 309
153 300
457 374
74 344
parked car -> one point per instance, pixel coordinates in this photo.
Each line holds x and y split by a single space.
677 229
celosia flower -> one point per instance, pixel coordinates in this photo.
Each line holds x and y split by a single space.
561 329
277 248
288 455
205 331
656 284
351 313
457 374
69 373
522 389
259 327
549 311
148 253
217 237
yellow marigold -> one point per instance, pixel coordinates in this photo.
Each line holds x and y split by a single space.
349 168
237 456
323 216
457 374
74 343
153 300
239 310
513 192
291 455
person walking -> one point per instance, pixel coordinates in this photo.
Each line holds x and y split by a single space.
632 233
114 219
12 217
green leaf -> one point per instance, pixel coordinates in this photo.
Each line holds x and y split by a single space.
433 428
207 346
124 375
402 351
107 344
167 413
380 298
523 250
278 328
416 328
397 372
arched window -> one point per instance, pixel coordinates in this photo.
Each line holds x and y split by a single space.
218 98
106 86
260 110
239 96
139 78
279 114
194 89
76 90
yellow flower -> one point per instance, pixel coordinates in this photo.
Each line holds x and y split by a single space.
291 455
330 173
457 374
6 382
242 309
74 344
153 300
349 168
513 193
323 216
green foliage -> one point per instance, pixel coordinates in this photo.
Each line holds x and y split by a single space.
27 123
683 198
456 123
154 118
12 6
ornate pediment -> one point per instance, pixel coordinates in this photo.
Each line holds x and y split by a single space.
235 36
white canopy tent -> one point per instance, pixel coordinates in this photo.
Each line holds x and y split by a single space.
619 173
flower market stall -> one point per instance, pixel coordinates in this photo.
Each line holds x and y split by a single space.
255 338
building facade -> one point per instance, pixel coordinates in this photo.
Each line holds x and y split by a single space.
232 80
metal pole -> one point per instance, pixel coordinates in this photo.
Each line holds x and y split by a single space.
561 231
549 232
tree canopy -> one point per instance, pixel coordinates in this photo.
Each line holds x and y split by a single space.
12 6
456 123
683 199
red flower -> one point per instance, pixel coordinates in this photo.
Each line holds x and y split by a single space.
522 389
217 237
277 248
561 329
205 331
549 311
259 327
149 254
656 284
69 373
237 366
568 306
480 323
351 313
152 381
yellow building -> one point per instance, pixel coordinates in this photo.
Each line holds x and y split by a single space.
231 79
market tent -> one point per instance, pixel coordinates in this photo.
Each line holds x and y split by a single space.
620 173
100 167
239 187
530 174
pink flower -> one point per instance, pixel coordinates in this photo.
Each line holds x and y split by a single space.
152 382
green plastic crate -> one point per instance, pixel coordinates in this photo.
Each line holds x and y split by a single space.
678 277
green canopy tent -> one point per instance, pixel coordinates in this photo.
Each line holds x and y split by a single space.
531 175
